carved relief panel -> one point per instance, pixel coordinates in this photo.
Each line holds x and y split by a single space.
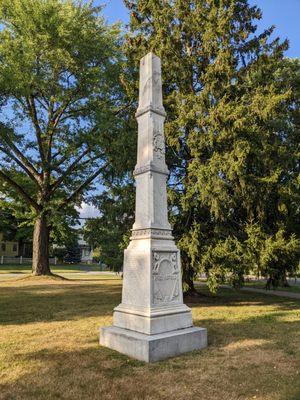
165 275
159 143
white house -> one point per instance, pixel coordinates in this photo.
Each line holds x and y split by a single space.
86 250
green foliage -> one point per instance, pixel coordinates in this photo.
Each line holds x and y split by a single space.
232 130
59 252
61 103
17 219
224 262
111 231
96 255
72 254
274 256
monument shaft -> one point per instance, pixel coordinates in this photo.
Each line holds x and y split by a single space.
152 322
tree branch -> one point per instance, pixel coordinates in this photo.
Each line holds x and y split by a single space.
20 190
33 114
81 187
117 112
60 161
28 172
54 119
20 155
55 185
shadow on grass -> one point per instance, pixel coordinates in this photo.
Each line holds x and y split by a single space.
17 273
56 302
94 372
246 353
231 298
60 302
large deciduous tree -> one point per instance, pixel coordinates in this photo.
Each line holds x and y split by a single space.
60 96
17 220
232 131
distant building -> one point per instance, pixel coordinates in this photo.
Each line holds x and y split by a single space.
86 250
80 251
8 248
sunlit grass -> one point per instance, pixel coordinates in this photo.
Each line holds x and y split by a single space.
60 268
49 347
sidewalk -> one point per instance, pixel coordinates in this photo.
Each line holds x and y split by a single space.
278 293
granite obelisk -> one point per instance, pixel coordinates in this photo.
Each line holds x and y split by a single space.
152 322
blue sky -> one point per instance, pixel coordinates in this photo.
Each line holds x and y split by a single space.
284 14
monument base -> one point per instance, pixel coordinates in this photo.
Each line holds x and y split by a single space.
151 348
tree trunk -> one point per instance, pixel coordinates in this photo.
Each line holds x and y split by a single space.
277 279
40 254
188 280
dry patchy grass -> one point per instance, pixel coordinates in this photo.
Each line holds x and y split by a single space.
49 347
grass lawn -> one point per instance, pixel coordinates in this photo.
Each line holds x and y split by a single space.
62 268
49 347
262 285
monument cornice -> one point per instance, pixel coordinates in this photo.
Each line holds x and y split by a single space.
151 233
150 108
153 311
150 168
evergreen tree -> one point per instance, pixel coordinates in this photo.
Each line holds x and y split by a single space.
111 231
73 253
232 132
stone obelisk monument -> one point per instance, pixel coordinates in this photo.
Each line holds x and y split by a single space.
152 322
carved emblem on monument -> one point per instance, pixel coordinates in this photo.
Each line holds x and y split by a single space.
165 277
158 144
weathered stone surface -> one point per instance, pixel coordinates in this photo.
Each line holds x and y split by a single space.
151 348
153 324
152 302
150 97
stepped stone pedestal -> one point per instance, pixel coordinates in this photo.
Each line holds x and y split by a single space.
152 322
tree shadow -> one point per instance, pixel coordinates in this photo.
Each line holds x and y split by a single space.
244 354
68 300
238 372
257 328
57 302
231 298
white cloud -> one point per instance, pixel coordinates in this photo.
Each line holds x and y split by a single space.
88 211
